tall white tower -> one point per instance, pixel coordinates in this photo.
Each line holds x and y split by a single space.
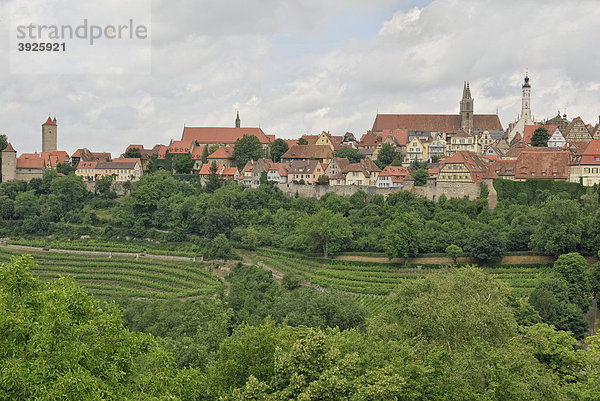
525 117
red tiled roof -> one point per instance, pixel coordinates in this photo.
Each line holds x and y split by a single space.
308 152
87 165
368 139
128 160
472 161
229 172
311 139
205 169
29 162
224 152
291 142
591 153
394 171
9 148
224 135
304 166
434 122
400 135
543 164
197 152
281 168
180 147
49 122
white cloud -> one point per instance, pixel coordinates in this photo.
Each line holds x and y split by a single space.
211 59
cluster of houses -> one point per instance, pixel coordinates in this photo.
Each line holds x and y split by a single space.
456 148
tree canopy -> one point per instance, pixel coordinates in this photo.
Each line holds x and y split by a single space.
540 137
247 148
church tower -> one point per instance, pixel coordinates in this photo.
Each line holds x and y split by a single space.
526 102
9 164
466 109
525 118
49 135
238 122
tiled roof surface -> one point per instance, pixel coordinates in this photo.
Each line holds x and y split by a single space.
224 135
434 122
549 163
308 151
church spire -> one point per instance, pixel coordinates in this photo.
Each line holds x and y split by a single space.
238 122
466 108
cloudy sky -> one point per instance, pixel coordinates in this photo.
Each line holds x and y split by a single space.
298 67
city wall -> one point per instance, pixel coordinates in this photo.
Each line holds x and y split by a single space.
432 190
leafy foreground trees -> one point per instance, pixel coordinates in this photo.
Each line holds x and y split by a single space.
452 335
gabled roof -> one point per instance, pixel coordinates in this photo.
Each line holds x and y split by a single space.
394 171
181 146
308 151
368 139
434 122
224 135
311 139
128 160
87 165
592 151
472 161
281 168
30 162
197 152
576 121
224 152
542 163
205 169
399 135
303 166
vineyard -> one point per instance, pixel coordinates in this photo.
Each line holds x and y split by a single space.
126 277
370 282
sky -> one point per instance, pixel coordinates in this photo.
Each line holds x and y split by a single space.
299 67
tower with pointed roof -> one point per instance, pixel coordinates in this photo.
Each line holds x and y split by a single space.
466 108
49 135
9 163
238 122
525 117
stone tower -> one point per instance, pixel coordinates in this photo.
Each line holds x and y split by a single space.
526 101
49 135
238 122
9 164
466 109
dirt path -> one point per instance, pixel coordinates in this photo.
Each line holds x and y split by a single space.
441 260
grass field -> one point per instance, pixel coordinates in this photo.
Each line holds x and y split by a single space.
370 282
126 277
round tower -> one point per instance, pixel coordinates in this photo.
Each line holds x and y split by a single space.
9 164
49 135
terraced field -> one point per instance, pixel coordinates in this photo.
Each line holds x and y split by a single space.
126 277
371 282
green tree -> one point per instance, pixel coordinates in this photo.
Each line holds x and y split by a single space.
302 141
219 248
326 230
454 251
214 147
573 268
103 184
183 163
559 229
26 204
247 148
486 245
420 176
540 137
205 155
278 148
403 237
65 168
60 343
134 153
387 154
214 180
353 155
323 180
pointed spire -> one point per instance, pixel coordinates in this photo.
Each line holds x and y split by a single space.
238 122
49 121
9 148
526 84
